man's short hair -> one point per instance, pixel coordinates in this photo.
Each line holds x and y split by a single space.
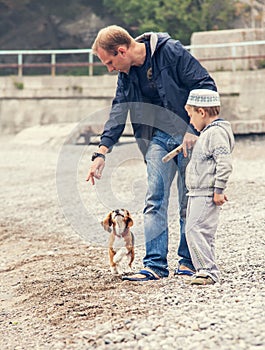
110 38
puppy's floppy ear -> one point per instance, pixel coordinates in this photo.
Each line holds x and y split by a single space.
107 222
128 219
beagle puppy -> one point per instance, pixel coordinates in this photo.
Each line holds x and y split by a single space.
121 240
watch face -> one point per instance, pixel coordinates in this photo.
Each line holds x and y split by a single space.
95 155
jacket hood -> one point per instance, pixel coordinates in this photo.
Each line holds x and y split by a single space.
156 39
226 126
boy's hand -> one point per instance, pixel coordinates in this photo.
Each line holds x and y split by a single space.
188 142
219 199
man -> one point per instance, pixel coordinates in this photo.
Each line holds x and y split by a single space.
156 75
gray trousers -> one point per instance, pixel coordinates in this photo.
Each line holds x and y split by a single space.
201 226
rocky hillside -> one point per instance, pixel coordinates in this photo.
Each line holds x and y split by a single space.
34 24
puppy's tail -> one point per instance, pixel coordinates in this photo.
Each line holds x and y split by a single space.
119 255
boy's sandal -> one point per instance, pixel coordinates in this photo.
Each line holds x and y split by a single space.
202 280
148 276
183 272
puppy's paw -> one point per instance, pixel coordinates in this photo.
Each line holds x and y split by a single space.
122 252
114 270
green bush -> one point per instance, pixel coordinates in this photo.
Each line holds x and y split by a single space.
19 85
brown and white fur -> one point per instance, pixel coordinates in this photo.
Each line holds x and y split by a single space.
121 240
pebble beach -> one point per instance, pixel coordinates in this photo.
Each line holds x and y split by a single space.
56 289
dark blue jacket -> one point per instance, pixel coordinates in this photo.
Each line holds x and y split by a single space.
175 72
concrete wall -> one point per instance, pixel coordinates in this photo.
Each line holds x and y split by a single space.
43 100
242 97
229 36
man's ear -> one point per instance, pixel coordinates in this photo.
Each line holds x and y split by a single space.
122 50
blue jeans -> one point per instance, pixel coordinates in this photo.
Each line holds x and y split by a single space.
160 177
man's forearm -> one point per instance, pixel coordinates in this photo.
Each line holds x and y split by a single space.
103 149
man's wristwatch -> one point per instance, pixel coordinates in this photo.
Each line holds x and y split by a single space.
96 155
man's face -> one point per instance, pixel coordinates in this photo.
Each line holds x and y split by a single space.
117 62
196 117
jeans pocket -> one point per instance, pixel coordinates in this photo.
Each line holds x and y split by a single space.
174 141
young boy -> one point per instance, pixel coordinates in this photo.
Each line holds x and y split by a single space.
206 178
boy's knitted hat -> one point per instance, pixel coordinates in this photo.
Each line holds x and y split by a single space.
203 98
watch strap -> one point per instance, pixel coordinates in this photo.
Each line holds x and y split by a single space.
96 155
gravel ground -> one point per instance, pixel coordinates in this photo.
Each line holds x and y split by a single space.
56 290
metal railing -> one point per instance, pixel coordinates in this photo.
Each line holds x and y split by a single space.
233 47
53 59
90 62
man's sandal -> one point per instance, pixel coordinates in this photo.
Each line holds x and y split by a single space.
183 272
148 276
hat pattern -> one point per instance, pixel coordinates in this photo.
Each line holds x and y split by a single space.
203 98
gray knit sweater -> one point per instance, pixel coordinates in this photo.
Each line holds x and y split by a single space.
211 164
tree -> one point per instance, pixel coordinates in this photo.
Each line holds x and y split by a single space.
180 18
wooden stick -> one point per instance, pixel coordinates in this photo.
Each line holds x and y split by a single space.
172 154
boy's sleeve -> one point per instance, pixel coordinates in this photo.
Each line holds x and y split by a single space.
221 151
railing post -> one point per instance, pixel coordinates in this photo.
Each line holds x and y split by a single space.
20 63
233 60
53 62
90 60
